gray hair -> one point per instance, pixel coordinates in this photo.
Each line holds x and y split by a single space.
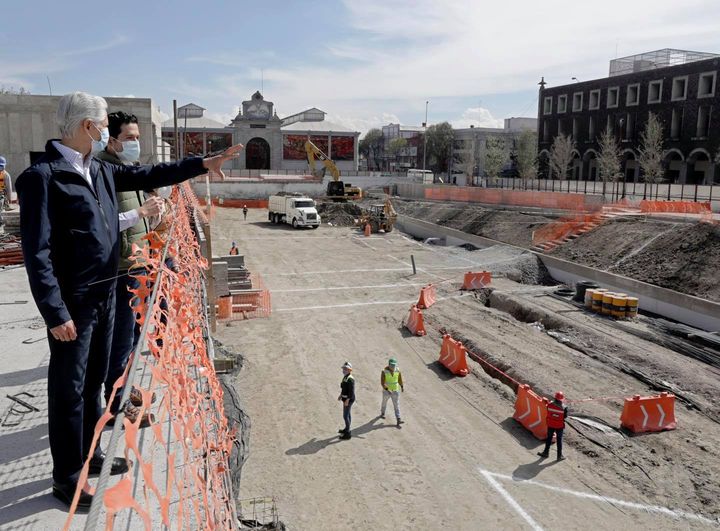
76 107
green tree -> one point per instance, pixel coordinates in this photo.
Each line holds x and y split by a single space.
396 144
561 156
608 160
439 146
371 146
526 156
651 152
495 156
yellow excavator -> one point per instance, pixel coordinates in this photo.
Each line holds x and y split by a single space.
379 217
337 190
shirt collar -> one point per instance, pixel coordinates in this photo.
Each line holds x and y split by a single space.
75 158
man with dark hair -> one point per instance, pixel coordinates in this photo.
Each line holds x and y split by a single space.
124 148
69 224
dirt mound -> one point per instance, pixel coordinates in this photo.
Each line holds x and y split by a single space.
339 214
507 226
679 256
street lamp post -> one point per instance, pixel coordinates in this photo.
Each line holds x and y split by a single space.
425 136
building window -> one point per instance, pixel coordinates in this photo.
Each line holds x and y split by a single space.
655 91
575 126
703 122
633 95
706 85
546 130
630 126
676 124
610 126
577 102
547 105
594 100
591 129
562 103
560 126
613 97
679 88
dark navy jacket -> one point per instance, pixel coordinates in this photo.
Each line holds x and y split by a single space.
70 230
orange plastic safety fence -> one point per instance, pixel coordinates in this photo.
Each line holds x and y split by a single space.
252 303
556 200
682 207
564 227
190 486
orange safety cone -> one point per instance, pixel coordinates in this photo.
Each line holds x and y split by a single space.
415 322
368 230
453 355
473 281
428 297
531 411
649 413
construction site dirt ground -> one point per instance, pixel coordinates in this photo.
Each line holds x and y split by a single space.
460 461
673 253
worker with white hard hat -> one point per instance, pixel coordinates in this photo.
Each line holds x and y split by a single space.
347 397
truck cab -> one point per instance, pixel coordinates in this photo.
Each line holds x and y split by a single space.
296 210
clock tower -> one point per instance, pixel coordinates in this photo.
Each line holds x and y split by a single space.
257 127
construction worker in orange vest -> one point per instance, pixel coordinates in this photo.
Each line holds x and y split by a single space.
234 250
556 415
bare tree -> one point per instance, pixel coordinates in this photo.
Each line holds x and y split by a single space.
651 153
561 156
495 156
20 91
608 160
466 162
526 156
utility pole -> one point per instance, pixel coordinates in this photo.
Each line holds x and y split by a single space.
425 136
175 130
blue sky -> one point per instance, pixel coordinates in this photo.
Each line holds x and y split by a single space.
365 62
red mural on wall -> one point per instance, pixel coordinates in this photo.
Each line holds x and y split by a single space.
294 147
343 148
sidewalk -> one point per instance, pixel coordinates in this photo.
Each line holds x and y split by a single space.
26 501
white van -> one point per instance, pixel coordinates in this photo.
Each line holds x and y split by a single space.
423 176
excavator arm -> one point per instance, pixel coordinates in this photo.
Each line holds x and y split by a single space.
313 151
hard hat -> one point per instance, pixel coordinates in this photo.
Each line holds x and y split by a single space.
347 365
392 361
233 244
559 395
2 161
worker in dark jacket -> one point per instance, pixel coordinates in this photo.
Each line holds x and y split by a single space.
556 415
347 397
69 228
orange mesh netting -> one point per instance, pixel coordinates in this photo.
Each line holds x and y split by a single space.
683 207
180 476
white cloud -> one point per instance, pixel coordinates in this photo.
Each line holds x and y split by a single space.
363 123
118 40
401 53
478 117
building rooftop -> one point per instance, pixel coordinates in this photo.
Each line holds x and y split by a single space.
656 59
314 125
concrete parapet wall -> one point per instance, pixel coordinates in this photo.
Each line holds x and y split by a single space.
687 309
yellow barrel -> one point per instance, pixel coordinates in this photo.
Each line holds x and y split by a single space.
597 297
607 303
589 298
619 303
632 307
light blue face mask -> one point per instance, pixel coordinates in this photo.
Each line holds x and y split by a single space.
100 145
130 151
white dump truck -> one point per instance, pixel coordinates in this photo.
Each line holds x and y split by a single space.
295 210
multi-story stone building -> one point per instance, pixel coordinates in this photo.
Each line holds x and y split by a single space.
678 86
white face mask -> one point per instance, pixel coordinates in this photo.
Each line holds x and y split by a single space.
130 151
99 145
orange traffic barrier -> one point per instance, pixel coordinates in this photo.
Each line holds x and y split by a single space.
649 413
367 230
454 356
479 280
224 307
428 297
531 411
415 322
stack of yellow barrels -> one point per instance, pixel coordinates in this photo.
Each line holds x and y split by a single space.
617 305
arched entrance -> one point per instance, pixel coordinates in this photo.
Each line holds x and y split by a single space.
257 154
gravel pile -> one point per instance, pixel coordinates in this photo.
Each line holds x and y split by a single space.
339 214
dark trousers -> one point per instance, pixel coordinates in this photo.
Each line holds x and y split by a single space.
126 333
549 439
75 376
347 416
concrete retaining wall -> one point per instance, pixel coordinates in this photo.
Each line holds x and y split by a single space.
262 190
687 309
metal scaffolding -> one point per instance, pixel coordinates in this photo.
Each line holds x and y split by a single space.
656 59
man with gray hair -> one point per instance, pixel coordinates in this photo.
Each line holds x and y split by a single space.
69 226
